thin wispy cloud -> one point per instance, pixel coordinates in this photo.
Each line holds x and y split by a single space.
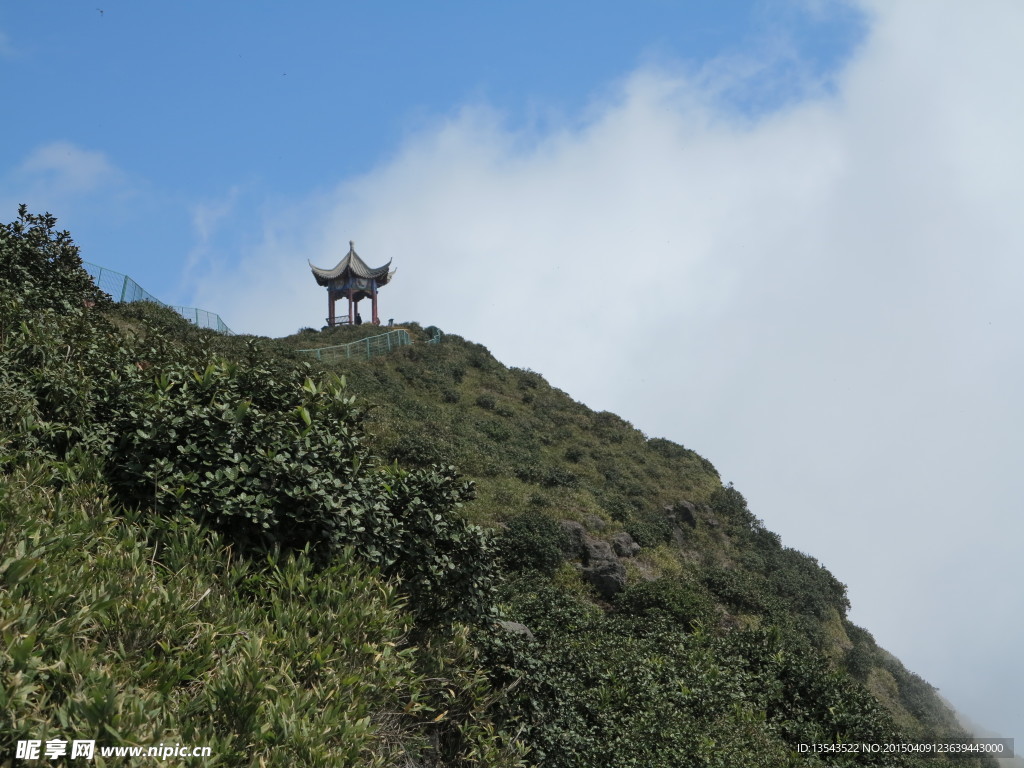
65 166
209 219
60 175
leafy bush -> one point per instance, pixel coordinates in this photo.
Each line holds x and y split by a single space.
741 591
683 603
134 630
806 588
575 454
553 476
420 448
611 427
729 506
667 448
649 529
637 690
40 268
278 460
532 540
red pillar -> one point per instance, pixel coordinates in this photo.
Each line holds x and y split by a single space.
331 298
376 320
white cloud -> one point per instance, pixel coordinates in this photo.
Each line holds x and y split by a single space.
69 168
209 220
208 215
59 176
822 300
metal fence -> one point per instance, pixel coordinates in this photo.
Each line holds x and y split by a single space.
123 289
363 349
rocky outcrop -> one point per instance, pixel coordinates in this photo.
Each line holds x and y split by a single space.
682 513
606 576
624 545
599 559
575 543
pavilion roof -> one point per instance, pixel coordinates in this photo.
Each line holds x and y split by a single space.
352 266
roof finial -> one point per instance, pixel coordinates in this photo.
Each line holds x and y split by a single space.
351 245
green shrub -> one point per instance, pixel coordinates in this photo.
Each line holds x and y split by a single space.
859 661
668 449
421 448
131 630
730 507
40 268
805 586
261 449
278 459
740 591
532 540
649 529
575 454
684 604
637 690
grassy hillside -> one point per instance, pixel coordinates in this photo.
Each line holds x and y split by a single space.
705 562
424 559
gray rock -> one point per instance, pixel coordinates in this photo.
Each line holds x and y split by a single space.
608 577
515 628
603 570
594 523
598 552
575 546
682 513
600 567
624 545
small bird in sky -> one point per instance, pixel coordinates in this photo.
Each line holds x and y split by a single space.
100 10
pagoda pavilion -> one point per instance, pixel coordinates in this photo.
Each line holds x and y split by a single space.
353 280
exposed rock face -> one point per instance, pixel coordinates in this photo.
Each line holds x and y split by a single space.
682 513
682 516
601 566
603 570
624 545
608 577
576 540
598 551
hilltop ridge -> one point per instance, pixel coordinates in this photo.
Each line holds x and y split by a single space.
535 453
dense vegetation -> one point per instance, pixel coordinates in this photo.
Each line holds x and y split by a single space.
219 541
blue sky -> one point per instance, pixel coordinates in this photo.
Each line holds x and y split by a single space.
784 234
152 112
